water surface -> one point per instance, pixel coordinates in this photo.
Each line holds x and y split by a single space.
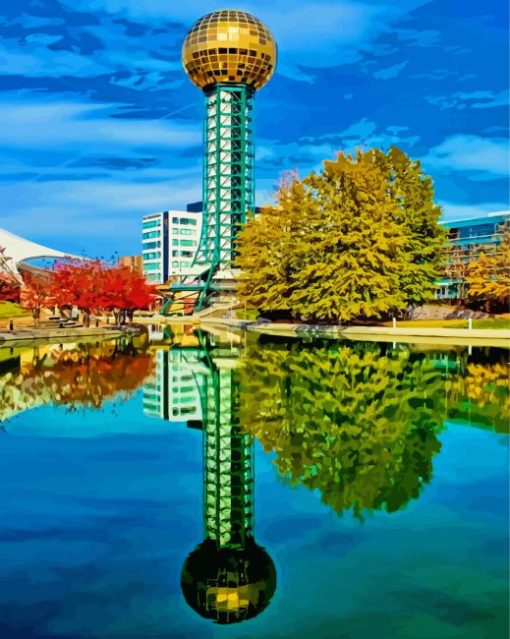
355 490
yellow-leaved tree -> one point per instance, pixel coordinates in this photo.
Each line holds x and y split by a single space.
488 277
358 241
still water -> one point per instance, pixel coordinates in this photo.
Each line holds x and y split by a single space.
233 486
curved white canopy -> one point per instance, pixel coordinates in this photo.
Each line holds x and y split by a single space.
15 249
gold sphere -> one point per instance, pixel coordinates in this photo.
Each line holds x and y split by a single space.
231 47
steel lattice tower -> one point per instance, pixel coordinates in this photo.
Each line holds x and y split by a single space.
229 55
228 185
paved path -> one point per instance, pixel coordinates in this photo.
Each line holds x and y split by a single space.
419 334
29 335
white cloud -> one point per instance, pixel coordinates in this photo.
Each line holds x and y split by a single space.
91 212
78 125
38 60
321 34
455 211
461 100
115 52
364 134
309 153
390 72
493 100
470 153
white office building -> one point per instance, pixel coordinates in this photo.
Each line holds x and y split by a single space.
173 391
155 247
155 388
170 240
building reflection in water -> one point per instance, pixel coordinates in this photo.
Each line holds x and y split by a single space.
228 577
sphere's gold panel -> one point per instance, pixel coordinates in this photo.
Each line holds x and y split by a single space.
229 47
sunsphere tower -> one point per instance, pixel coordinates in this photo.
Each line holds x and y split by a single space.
230 55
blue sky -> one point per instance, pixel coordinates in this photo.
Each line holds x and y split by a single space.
99 124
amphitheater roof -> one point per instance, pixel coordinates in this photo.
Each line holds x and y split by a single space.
17 249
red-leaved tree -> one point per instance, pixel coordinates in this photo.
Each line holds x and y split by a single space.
35 295
9 285
78 284
126 291
9 288
93 287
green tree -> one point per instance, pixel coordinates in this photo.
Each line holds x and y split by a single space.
356 423
360 240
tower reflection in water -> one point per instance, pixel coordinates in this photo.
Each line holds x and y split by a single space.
228 577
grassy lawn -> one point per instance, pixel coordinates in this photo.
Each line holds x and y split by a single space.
492 323
9 309
248 314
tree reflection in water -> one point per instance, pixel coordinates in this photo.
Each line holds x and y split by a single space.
357 422
81 377
479 392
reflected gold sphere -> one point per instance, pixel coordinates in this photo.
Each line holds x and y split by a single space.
229 46
228 585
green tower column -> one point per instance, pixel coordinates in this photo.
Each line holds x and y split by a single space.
228 174
228 467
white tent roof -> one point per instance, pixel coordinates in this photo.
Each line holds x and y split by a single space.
18 250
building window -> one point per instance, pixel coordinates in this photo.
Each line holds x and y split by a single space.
188 242
151 234
151 224
151 267
483 230
175 242
151 245
175 264
152 256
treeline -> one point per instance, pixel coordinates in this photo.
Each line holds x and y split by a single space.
359 241
90 286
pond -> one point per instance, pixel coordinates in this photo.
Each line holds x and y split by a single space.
225 485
